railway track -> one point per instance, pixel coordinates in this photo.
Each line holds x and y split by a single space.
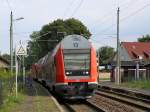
80 106
136 100
76 105
107 100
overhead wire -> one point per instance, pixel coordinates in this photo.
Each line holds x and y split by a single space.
134 13
67 9
107 16
9 6
132 3
18 33
130 15
99 42
43 34
77 8
124 5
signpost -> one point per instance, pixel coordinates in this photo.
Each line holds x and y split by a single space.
20 51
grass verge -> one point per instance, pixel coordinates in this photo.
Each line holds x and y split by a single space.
103 79
10 102
141 84
7 92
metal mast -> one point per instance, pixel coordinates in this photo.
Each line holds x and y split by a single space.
118 49
11 42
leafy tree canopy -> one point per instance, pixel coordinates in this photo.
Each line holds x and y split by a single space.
105 54
145 38
45 40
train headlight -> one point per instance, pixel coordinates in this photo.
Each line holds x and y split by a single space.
87 72
67 73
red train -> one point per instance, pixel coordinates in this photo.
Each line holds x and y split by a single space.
70 69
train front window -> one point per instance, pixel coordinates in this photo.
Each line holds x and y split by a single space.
77 63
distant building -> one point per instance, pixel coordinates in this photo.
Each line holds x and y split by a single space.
4 64
135 61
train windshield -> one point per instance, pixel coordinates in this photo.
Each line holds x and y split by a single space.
77 63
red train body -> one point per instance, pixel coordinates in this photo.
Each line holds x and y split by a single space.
70 69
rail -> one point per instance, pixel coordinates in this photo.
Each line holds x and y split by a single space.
136 99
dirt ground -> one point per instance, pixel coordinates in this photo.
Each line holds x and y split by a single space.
37 99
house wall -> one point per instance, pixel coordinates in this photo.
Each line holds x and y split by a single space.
129 74
3 64
129 70
148 72
123 55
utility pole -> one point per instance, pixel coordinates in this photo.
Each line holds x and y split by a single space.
11 41
118 50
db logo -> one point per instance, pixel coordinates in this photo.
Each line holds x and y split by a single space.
75 44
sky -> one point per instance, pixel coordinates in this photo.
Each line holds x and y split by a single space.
100 17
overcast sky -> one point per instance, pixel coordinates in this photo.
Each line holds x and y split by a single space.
98 15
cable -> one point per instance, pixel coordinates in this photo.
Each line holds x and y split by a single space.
99 42
134 13
72 15
123 19
130 5
108 17
42 34
10 8
67 9
106 29
77 8
20 33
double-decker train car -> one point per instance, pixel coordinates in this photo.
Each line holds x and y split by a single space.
70 69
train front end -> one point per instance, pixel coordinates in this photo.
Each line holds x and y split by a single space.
76 71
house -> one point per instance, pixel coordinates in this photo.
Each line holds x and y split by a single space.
4 64
135 61
147 65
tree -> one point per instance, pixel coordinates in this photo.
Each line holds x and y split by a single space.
105 54
145 38
50 35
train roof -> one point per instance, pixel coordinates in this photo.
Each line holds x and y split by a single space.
69 42
73 42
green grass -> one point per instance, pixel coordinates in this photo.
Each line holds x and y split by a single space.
102 79
8 92
141 84
10 102
4 74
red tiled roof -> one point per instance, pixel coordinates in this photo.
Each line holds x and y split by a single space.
136 49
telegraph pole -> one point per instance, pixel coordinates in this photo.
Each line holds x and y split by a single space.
11 42
118 50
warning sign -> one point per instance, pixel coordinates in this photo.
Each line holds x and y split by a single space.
21 50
